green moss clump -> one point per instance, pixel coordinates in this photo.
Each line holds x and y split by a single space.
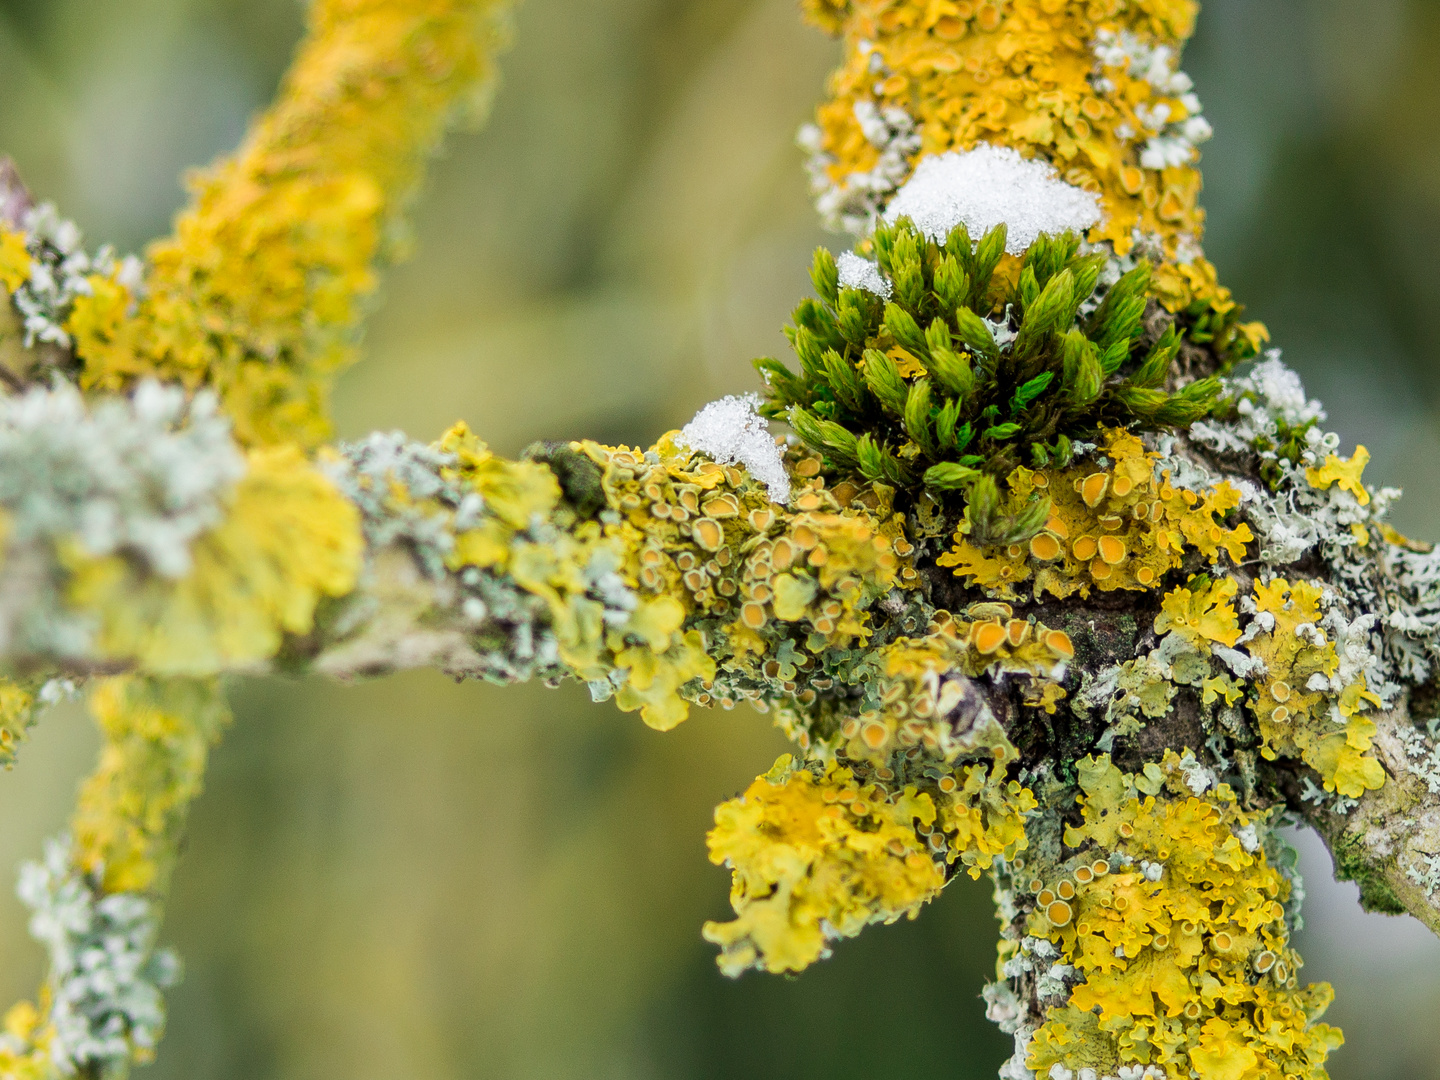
1351 864
973 366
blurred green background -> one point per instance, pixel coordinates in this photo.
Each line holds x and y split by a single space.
410 878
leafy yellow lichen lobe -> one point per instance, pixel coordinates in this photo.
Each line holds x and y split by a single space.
1327 732
1202 613
1174 922
1345 472
817 854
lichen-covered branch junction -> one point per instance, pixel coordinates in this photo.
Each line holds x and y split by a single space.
1057 575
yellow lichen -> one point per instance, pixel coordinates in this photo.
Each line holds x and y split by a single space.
1201 613
750 571
655 679
711 534
720 570
912 689
157 737
819 855
1392 535
1176 924
1222 686
811 855
658 655
1297 720
987 815
1022 74
288 540
17 713
733 596
25 1053
1342 471
1115 527
826 14
260 290
14 259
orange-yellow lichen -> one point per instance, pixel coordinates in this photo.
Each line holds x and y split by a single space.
1346 473
709 536
816 856
1026 74
258 295
657 653
986 815
1120 527
819 853
1178 934
1019 75
913 691
1202 613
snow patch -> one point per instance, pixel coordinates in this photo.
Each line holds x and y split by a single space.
858 273
989 185
731 430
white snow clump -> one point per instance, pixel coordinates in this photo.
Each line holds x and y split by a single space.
858 273
989 185
729 431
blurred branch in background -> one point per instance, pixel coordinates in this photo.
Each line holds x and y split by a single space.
382 883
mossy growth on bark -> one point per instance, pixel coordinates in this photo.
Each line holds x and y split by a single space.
956 361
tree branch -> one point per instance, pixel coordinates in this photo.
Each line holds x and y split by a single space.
1039 586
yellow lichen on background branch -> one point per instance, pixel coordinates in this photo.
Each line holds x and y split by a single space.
132 809
288 541
260 292
258 297
107 880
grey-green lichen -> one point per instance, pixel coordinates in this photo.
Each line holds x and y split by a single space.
106 975
60 272
417 499
141 476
